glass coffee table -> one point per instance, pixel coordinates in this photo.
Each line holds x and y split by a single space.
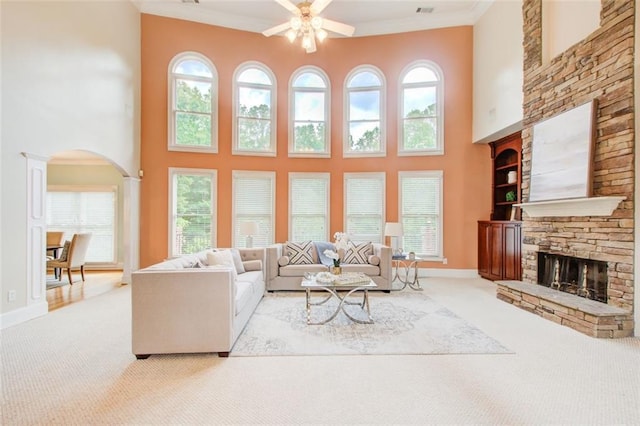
351 283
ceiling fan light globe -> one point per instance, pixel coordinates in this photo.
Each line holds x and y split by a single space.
321 34
316 22
295 23
291 35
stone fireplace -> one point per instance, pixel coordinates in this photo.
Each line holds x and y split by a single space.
600 68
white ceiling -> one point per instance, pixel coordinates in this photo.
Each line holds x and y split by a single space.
369 17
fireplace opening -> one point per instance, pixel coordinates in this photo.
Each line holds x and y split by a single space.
582 277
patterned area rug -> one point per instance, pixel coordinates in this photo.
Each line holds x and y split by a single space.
405 323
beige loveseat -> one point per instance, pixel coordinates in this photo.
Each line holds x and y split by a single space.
282 275
184 305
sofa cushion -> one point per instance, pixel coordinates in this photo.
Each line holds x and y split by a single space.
368 269
244 291
237 260
321 246
252 265
222 257
283 260
374 260
303 253
358 253
299 270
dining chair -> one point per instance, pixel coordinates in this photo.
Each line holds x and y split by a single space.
75 256
54 242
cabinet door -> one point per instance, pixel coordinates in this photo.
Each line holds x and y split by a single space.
496 237
484 250
512 252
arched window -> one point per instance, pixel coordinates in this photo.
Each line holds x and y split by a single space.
193 116
365 130
421 110
309 125
254 112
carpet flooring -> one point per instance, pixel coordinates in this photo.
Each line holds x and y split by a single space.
405 323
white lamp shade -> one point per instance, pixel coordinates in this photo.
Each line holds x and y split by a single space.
393 229
248 228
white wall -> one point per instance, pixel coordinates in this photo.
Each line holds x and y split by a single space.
71 80
497 71
565 23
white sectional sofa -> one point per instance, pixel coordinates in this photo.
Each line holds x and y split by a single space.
282 275
184 305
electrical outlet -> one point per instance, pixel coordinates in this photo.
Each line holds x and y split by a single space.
11 295
444 261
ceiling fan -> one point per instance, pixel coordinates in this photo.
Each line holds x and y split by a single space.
307 25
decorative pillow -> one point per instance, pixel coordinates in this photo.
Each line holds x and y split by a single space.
321 246
65 252
358 253
300 253
283 261
237 260
222 258
374 260
252 265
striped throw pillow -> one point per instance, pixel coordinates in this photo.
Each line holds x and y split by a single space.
300 253
358 253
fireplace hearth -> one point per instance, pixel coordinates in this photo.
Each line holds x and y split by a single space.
583 277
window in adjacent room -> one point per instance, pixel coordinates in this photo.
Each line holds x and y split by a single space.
81 209
254 201
420 199
193 117
421 113
364 206
309 128
364 111
254 129
192 203
309 206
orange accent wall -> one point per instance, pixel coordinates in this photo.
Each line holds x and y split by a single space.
466 166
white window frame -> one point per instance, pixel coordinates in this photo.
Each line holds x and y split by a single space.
213 174
171 106
269 237
94 188
326 179
346 148
380 176
272 152
430 174
439 86
327 111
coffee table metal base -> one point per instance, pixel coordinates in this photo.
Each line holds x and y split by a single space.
364 305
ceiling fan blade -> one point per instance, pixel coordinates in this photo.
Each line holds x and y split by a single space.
338 27
318 6
288 5
277 29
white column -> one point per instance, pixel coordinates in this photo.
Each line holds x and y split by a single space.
131 228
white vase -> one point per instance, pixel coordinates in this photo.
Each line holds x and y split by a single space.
512 176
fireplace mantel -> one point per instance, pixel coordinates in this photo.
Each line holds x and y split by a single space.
593 206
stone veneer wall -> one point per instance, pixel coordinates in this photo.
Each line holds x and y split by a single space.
599 67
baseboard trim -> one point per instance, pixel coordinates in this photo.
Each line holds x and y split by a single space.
21 315
447 273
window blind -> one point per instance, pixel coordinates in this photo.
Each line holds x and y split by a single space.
253 200
364 204
421 212
308 206
83 210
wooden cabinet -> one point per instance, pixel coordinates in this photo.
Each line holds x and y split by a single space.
499 249
506 157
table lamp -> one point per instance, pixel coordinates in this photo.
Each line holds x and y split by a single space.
393 230
249 229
